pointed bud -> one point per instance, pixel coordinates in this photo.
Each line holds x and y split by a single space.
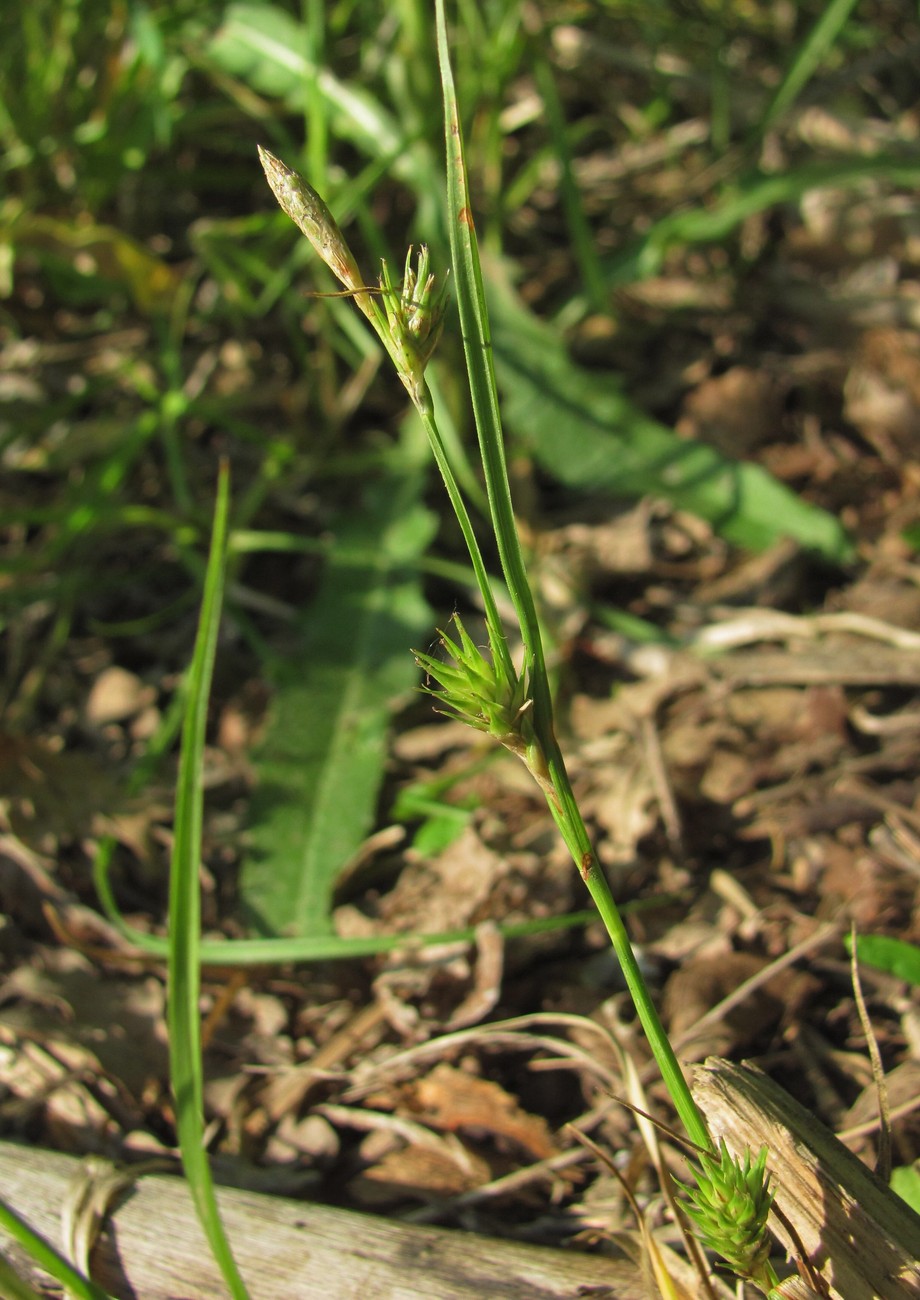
303 205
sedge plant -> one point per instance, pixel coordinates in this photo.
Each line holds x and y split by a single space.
731 1200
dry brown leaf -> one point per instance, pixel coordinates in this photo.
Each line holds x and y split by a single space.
456 1101
116 695
69 1003
698 985
736 412
625 807
53 795
419 1172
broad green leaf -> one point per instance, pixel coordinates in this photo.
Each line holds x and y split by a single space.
587 434
892 955
321 765
906 1182
264 46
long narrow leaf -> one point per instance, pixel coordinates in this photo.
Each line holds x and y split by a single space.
477 344
183 1015
47 1258
751 194
584 249
331 947
807 58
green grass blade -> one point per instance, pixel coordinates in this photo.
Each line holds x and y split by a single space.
451 438
752 194
12 1286
183 1015
807 58
45 1256
321 765
330 947
477 344
581 236
587 434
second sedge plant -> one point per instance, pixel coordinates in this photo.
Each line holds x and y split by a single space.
731 1201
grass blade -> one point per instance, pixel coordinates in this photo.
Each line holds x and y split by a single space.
581 236
805 63
183 1015
749 195
47 1258
477 344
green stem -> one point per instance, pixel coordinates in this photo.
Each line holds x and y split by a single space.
562 802
564 806
571 825
477 344
497 639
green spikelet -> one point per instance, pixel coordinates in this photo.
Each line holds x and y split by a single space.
487 696
476 689
729 1207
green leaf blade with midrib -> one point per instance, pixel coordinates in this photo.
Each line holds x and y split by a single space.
587 434
321 764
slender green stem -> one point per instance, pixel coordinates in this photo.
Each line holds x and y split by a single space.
561 801
576 837
560 797
497 637
184 977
